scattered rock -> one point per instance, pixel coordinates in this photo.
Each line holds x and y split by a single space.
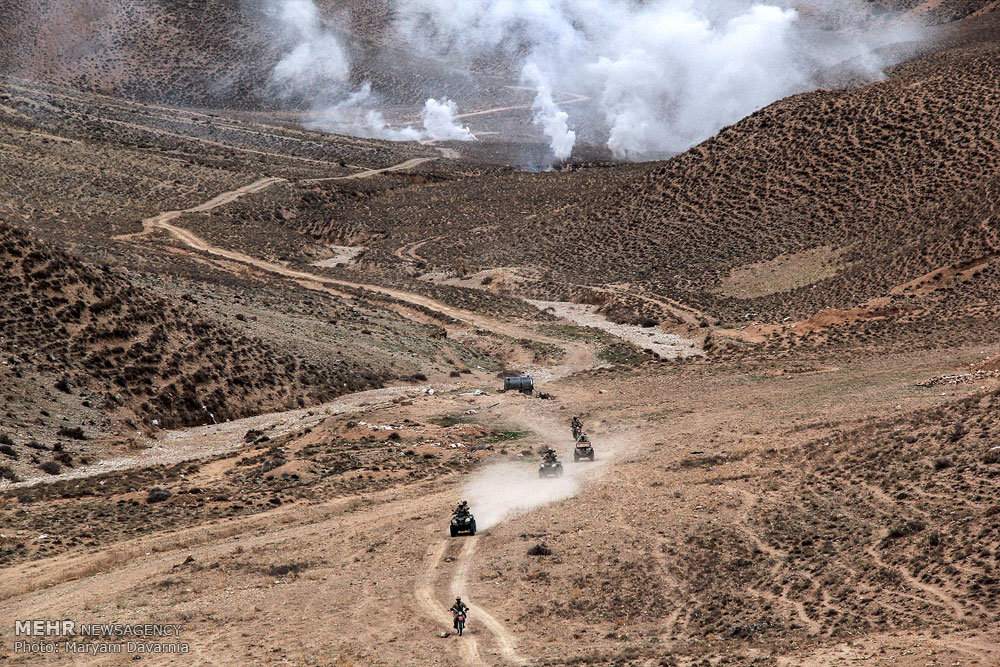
187 561
540 549
157 494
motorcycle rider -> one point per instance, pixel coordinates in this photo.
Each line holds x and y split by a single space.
576 425
459 608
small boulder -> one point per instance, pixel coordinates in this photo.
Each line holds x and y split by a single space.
157 494
540 549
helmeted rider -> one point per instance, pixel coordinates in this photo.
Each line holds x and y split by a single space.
576 425
549 456
462 509
459 608
584 439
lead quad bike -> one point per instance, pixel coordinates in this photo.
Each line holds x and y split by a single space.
463 523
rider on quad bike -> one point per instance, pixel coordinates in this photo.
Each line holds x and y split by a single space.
462 509
549 456
459 608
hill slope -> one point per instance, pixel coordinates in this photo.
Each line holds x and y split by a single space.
84 341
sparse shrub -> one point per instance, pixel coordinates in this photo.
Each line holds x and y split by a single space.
905 528
943 463
282 570
7 473
6 439
9 451
51 467
75 432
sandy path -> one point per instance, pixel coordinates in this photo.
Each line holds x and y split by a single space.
161 221
665 344
458 585
402 166
188 444
574 98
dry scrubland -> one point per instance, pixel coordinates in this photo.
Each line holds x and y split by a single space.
819 487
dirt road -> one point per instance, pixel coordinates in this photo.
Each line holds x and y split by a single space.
403 166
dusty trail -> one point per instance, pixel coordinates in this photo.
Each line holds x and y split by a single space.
574 99
308 280
402 166
458 584
162 220
200 442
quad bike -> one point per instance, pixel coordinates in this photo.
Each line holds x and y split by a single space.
463 523
584 449
550 468
460 623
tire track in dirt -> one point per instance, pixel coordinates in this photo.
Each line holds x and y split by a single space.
432 608
149 225
505 640
942 597
402 166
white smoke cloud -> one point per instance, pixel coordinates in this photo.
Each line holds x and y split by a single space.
662 74
547 114
440 123
317 62
650 78
317 65
355 116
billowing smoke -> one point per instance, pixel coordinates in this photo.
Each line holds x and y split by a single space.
316 63
661 74
355 116
317 66
547 114
440 124
647 78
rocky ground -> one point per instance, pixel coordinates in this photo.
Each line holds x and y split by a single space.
247 370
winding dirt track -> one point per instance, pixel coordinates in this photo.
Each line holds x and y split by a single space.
578 357
312 281
477 613
402 166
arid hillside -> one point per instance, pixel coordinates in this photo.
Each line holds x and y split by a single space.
193 52
87 337
876 202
